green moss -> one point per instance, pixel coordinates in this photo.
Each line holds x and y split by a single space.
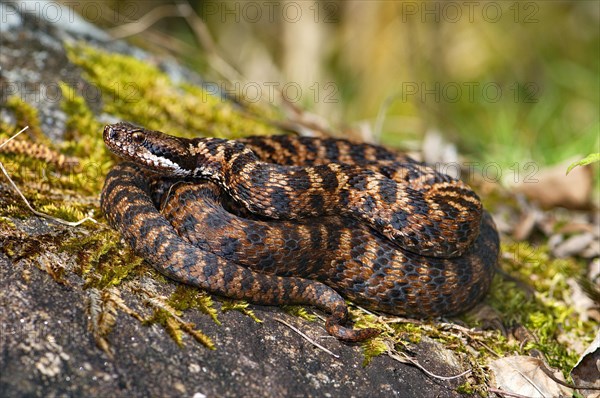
175 326
466 388
299 311
188 297
62 211
103 259
546 313
84 140
241 306
81 122
83 132
409 332
36 177
139 92
27 115
7 222
14 209
372 348
165 319
363 320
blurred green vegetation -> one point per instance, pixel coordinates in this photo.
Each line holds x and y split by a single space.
507 81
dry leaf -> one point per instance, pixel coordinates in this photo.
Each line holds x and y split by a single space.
553 188
587 371
523 375
525 226
575 245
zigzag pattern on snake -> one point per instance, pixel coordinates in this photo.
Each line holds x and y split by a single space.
197 240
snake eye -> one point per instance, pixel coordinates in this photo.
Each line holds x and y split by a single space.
138 137
110 133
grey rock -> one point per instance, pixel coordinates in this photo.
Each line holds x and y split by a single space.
47 351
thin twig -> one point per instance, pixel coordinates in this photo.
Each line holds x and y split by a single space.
14 136
399 319
306 337
38 213
205 39
529 380
149 19
366 311
489 349
380 318
185 11
381 115
418 365
544 367
462 329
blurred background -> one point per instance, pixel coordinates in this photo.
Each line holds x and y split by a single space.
506 81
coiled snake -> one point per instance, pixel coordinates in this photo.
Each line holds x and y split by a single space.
298 220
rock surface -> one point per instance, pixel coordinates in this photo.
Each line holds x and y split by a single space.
47 351
46 347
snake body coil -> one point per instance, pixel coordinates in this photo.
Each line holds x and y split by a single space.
377 227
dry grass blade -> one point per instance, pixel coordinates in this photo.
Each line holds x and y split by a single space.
307 338
132 28
14 136
183 10
205 39
400 357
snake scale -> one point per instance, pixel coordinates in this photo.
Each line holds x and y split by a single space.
299 220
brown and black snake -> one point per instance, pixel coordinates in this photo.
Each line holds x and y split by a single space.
298 220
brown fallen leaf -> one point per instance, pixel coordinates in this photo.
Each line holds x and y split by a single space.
575 227
523 375
586 372
524 227
550 187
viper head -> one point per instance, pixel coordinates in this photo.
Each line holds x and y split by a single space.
159 152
